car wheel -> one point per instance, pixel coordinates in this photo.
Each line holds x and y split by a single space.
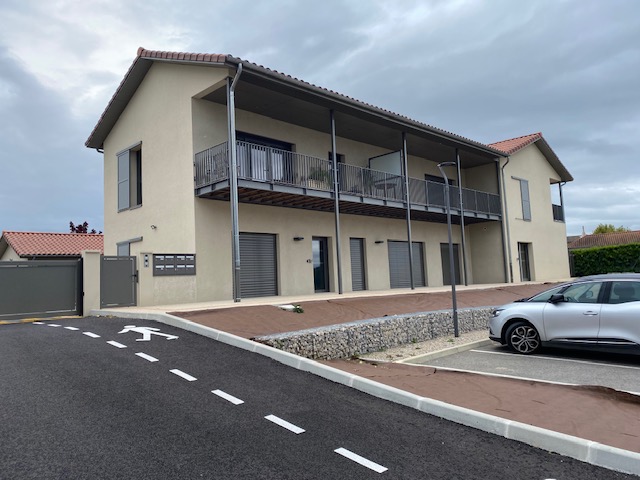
523 338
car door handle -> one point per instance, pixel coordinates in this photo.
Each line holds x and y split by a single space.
590 313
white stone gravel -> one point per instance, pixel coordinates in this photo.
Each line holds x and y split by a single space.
402 352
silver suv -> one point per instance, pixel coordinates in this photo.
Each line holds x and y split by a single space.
598 312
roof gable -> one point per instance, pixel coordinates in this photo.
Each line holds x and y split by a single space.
514 145
38 244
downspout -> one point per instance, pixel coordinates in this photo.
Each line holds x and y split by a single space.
560 185
405 171
505 217
100 150
464 242
233 182
336 194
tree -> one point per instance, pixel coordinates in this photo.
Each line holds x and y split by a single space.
81 228
609 228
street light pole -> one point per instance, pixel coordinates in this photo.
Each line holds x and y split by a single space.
452 274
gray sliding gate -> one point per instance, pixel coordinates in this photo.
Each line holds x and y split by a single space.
118 279
40 288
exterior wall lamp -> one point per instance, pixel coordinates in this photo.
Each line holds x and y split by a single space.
298 239
379 241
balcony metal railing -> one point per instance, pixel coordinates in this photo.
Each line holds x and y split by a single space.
271 165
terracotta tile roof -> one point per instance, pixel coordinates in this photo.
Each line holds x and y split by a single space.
100 131
606 239
514 144
37 244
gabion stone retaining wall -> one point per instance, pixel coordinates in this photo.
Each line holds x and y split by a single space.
364 336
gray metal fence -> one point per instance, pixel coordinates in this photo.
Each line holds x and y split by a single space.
40 288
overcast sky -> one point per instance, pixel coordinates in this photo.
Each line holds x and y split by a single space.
488 70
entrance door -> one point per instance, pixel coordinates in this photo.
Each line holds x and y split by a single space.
446 266
525 268
399 270
319 247
118 281
258 265
356 247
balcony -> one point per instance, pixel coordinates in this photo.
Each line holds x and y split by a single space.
282 178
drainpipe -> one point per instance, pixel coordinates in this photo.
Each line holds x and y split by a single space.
336 194
233 181
560 185
405 170
464 242
505 217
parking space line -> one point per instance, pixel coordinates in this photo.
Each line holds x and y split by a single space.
361 460
284 424
186 376
571 360
147 357
71 328
91 334
116 344
226 396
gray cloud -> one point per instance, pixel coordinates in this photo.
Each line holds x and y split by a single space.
487 70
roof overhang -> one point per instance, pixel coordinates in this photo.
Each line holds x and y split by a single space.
275 95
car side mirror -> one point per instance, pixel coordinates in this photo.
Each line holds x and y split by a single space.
557 298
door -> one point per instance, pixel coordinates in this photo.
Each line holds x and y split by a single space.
358 281
578 319
319 247
399 271
619 315
118 281
258 265
446 266
525 267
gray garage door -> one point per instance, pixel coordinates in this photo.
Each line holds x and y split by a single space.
356 247
258 265
40 288
399 272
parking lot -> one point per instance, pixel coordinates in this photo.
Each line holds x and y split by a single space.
621 372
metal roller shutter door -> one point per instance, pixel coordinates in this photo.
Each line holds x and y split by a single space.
399 271
258 265
357 264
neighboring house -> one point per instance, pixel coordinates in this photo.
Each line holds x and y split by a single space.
605 239
16 246
535 225
311 196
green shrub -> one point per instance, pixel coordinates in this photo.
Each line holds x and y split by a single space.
614 259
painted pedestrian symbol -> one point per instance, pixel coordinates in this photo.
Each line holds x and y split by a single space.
146 333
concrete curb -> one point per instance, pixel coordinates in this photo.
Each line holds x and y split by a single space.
445 351
584 450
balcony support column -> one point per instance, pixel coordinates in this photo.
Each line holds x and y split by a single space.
336 197
464 243
233 182
405 178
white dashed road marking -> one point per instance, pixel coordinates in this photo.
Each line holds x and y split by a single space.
186 376
283 423
91 334
226 396
37 323
361 460
116 344
53 325
147 357
72 328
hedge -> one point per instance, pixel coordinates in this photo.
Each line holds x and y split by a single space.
613 259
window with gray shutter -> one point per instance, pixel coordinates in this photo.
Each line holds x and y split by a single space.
258 265
356 247
399 271
130 177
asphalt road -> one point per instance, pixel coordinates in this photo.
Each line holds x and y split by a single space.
621 372
73 406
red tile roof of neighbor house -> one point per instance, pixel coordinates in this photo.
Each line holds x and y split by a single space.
514 144
37 244
606 239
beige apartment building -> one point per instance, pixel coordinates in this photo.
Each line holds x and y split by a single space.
319 192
